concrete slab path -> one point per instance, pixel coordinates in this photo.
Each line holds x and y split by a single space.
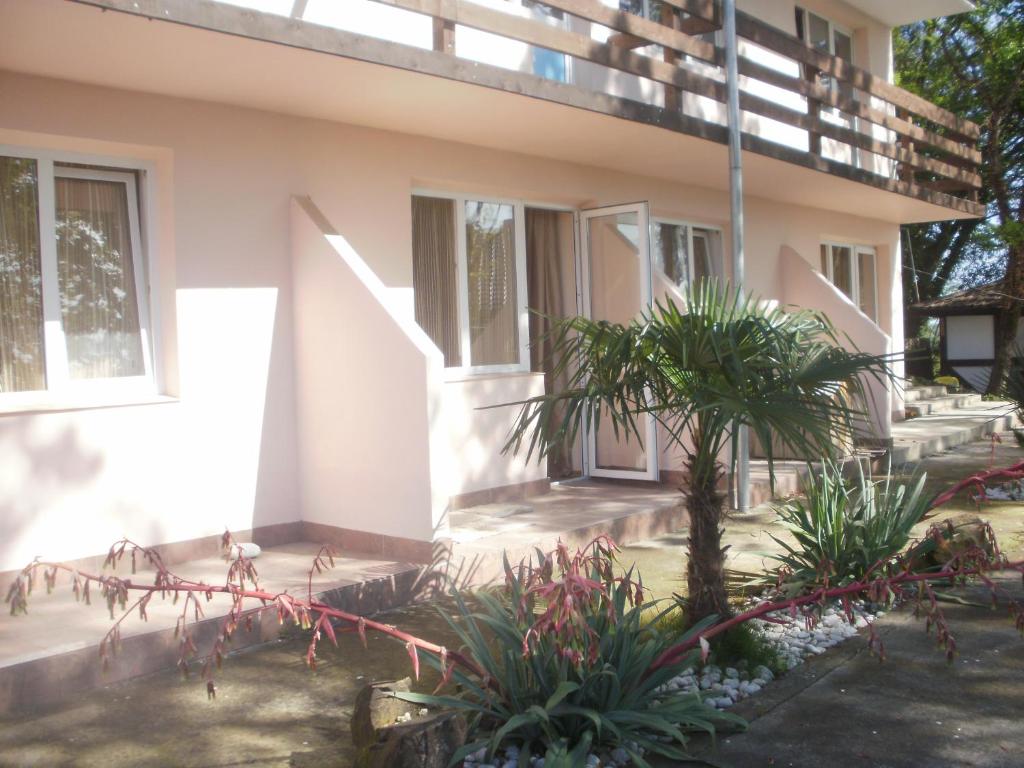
914 710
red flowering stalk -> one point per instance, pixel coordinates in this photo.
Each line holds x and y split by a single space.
248 600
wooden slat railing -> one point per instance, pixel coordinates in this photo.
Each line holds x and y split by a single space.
929 147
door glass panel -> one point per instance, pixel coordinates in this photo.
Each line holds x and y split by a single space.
96 277
21 292
491 262
551 284
616 295
866 283
842 276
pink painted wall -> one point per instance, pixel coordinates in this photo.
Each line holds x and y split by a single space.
226 452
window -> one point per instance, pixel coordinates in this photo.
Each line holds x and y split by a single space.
823 35
73 310
469 278
851 269
685 254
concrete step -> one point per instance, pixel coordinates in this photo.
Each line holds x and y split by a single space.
917 438
914 394
942 404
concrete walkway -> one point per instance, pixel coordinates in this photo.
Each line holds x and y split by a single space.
914 710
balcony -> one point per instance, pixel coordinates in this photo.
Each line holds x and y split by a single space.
800 107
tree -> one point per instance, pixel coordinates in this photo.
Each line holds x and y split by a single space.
722 361
973 65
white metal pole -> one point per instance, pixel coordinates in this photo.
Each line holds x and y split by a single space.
732 101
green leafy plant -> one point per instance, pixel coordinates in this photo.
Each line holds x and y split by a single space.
566 665
846 530
723 360
952 383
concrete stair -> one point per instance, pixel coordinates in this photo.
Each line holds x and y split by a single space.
942 404
937 421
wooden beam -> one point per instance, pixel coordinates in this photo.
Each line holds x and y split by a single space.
833 98
780 42
529 31
637 26
706 10
444 36
947 185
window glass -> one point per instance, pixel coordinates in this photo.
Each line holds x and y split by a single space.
817 29
707 254
866 283
824 260
842 276
843 45
22 365
669 249
96 278
435 274
491 265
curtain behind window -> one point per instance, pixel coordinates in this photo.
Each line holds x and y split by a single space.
551 280
21 294
96 277
435 274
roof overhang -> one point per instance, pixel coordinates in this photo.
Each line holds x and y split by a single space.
896 13
368 82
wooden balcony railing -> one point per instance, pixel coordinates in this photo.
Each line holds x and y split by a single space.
930 148
836 117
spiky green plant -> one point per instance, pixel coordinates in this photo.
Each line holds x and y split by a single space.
845 530
565 656
722 360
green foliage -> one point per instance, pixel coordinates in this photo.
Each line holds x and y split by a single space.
847 530
722 360
952 383
1013 387
745 645
973 65
563 681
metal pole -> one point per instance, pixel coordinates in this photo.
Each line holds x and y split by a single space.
732 101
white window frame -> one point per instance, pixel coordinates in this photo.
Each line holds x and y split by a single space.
855 286
690 226
522 313
61 390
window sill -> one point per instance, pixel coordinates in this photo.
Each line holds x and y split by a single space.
457 376
83 403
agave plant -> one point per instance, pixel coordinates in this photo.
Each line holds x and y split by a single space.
566 665
848 530
721 361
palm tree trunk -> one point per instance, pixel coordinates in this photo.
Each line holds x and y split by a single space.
705 571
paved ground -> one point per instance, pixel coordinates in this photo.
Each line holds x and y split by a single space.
914 710
843 709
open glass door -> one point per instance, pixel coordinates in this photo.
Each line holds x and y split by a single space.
617 287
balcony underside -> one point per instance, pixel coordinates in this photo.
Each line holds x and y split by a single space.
233 56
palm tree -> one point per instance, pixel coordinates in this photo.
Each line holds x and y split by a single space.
722 361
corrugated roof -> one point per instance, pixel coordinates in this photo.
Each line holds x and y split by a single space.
971 300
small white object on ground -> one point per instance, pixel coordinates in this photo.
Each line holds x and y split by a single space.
248 550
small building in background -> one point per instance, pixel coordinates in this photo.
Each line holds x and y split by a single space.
967 332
